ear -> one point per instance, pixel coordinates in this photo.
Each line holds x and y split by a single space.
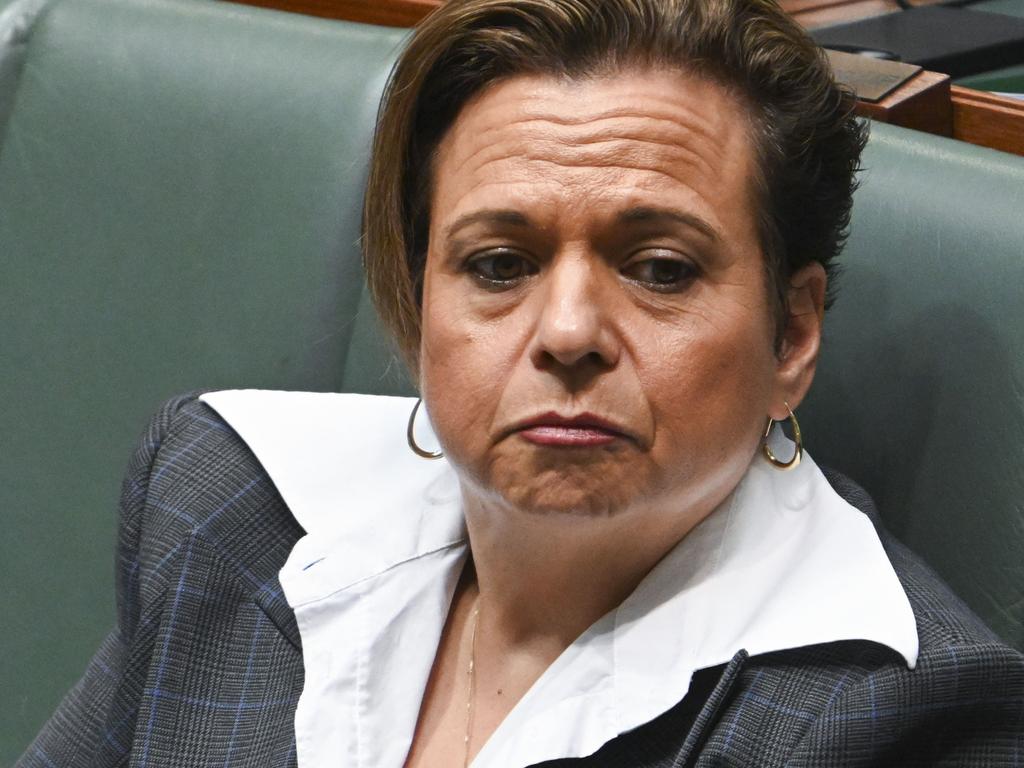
801 339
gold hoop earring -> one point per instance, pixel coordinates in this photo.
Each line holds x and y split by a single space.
797 440
412 438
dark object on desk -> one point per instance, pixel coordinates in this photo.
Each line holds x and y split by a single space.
870 78
955 41
867 53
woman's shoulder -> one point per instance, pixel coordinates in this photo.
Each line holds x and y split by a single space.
203 534
193 479
857 703
252 470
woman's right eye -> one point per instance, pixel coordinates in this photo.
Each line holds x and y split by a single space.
500 268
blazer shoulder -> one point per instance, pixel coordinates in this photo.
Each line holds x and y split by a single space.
197 478
856 703
961 705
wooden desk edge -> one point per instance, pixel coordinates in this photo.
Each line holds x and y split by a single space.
988 119
921 103
390 13
408 13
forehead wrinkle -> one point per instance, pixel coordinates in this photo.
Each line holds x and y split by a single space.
657 169
686 122
544 94
643 137
655 107
693 121
624 153
668 134
633 150
641 128
535 98
639 159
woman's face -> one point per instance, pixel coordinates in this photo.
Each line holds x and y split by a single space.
597 331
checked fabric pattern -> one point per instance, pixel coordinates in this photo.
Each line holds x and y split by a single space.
205 666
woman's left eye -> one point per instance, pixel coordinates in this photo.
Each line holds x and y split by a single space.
660 273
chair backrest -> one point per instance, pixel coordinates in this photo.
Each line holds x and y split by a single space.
180 194
920 391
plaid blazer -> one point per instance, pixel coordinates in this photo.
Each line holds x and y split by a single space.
205 666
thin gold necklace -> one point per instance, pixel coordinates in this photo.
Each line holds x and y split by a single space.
471 672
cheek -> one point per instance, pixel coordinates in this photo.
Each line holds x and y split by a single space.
710 384
462 365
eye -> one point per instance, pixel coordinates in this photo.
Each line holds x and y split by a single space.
660 273
500 268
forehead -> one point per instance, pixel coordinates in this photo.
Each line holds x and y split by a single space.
632 138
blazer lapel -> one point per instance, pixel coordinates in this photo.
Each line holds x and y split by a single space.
270 598
258 547
675 738
707 714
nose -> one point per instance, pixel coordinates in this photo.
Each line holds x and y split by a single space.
574 330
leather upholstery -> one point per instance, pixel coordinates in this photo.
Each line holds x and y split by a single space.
920 390
17 18
180 184
179 202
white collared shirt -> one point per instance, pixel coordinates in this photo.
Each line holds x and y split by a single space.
784 562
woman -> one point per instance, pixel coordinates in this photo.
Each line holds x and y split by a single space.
601 233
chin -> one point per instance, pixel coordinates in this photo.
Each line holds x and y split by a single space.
575 505
566 493
576 483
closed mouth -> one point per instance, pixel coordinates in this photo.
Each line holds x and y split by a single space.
583 430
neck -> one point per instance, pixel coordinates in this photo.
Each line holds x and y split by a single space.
544 579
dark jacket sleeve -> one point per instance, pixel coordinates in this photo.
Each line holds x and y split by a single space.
961 706
95 723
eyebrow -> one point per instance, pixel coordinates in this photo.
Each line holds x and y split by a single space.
505 216
654 215
643 214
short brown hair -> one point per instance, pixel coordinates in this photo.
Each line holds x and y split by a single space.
806 140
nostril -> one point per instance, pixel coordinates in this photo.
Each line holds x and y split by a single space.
588 363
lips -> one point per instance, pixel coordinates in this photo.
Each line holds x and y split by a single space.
584 430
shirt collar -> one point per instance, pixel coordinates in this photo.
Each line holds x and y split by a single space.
342 467
783 563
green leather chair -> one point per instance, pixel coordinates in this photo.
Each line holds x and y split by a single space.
920 389
180 194
180 184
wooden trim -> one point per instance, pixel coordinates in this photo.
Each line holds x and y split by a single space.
391 13
988 119
897 93
820 13
871 79
408 13
922 103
